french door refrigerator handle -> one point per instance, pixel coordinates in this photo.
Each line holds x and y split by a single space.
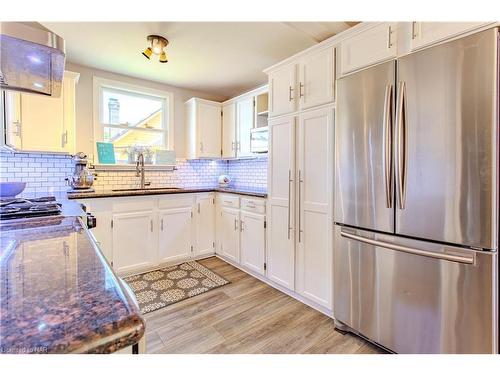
388 144
402 146
410 250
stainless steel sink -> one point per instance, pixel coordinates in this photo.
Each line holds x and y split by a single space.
147 189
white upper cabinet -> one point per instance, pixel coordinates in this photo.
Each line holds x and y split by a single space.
40 123
203 129
205 224
426 33
316 78
244 124
282 90
369 47
229 130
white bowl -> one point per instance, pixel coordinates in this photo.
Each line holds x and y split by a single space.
11 189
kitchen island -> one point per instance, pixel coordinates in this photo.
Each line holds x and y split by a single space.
57 292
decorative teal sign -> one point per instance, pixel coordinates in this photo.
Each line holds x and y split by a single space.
106 153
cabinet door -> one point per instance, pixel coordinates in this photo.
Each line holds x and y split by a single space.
281 234
282 87
175 234
426 33
209 130
42 122
103 212
253 239
314 202
317 76
369 47
245 123
229 130
12 118
134 245
205 224
230 244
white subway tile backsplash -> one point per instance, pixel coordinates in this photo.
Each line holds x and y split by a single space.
44 172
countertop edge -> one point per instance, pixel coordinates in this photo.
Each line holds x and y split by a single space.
117 194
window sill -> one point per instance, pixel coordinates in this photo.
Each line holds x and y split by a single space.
132 167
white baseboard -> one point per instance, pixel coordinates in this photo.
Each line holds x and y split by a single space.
282 289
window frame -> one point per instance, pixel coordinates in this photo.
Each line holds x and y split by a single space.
100 83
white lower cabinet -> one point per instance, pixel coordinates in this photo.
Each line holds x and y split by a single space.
175 236
134 243
253 241
230 232
205 224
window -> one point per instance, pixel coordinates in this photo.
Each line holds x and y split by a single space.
134 119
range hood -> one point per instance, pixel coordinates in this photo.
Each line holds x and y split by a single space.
31 58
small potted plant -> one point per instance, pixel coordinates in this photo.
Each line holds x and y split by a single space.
148 155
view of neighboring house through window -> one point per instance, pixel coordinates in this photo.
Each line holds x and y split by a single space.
134 122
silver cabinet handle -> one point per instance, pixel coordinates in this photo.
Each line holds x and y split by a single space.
151 222
18 126
232 145
289 199
201 146
388 144
414 30
290 90
301 86
409 250
235 224
228 202
389 42
300 205
402 147
198 208
161 224
241 225
251 206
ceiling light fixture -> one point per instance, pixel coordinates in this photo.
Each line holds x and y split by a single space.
157 44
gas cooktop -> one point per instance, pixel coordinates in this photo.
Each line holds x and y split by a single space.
16 208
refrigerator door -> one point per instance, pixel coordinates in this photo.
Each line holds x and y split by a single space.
363 156
412 296
446 142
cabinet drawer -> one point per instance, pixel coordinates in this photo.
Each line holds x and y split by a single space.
175 201
229 200
133 204
253 205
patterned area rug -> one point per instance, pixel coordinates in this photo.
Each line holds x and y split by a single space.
160 288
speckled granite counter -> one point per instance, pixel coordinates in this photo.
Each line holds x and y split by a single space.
157 191
58 294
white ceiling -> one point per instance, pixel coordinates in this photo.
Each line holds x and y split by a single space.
223 58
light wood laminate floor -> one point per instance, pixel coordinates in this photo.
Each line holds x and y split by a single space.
246 316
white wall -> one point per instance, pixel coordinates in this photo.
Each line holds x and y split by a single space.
84 100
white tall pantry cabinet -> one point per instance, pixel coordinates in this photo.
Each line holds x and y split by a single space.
300 176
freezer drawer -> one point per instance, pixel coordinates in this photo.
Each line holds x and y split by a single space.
413 296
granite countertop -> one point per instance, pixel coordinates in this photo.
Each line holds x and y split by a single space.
156 191
58 294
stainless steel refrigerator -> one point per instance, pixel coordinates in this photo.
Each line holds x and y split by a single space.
416 200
